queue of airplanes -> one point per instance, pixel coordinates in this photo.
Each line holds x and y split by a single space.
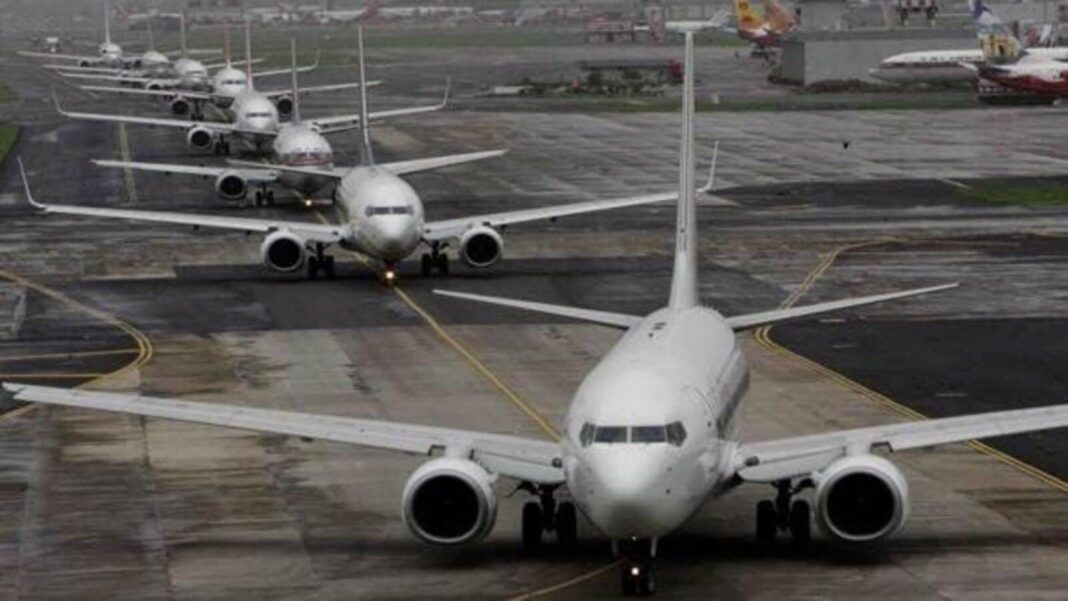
650 436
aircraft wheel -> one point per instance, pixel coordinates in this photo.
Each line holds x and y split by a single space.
270 197
766 525
638 579
533 526
258 198
800 524
328 267
313 268
442 261
566 525
426 265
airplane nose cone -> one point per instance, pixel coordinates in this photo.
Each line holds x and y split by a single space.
395 236
633 495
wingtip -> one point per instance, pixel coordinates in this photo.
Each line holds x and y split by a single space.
711 171
448 89
26 186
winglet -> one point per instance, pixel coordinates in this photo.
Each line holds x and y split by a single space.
55 101
26 187
705 189
448 88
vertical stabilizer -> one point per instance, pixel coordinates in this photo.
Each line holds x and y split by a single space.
226 48
294 82
248 53
181 34
107 22
365 124
684 276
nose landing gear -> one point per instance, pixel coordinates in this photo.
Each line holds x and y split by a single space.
545 515
637 574
785 515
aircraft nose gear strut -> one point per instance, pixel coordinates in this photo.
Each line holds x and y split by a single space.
637 573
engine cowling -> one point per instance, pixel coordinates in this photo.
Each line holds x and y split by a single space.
481 247
861 499
449 501
230 185
179 106
283 251
285 106
200 138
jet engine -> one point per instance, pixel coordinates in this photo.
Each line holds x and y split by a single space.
481 246
861 499
285 106
179 106
283 251
84 63
449 501
154 85
230 185
200 138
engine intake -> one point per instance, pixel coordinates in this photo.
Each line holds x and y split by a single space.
861 499
230 185
285 106
449 501
283 251
180 106
200 138
481 246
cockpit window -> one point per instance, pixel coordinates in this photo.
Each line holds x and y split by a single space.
676 433
648 434
586 434
254 115
401 210
610 434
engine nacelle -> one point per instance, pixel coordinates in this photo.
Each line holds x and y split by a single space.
84 63
481 246
861 499
283 251
200 138
155 86
179 106
449 501
284 105
230 185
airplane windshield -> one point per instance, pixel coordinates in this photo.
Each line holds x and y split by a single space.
673 434
401 210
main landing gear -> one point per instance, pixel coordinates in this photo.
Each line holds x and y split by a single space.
321 262
545 515
637 575
264 197
222 147
436 259
785 515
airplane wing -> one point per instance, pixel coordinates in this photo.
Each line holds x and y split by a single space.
339 123
318 89
616 320
257 175
310 232
755 320
160 122
523 459
288 71
64 57
397 168
167 93
453 228
800 456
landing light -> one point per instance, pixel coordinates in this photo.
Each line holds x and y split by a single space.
390 275
307 202
635 571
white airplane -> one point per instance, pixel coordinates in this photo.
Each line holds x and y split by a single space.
649 437
296 146
189 87
932 66
109 54
254 117
382 216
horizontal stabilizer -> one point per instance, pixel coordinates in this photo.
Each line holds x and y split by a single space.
616 320
764 318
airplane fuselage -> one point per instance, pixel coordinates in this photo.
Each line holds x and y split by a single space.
384 214
648 435
298 145
1046 79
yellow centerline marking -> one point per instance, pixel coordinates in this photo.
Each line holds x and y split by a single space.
52 375
568 583
13 358
763 336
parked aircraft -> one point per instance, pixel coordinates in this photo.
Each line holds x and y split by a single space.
649 437
297 145
1007 63
109 54
254 117
763 30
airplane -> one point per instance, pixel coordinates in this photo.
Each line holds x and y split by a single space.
297 146
109 54
254 115
1007 63
188 87
382 216
327 16
649 437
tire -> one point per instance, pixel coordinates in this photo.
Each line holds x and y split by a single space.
258 198
766 526
328 267
443 264
566 525
313 268
800 524
628 583
426 265
533 526
270 198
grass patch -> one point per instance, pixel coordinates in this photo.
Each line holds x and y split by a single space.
8 134
1035 195
6 93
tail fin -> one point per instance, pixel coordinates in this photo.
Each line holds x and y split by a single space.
746 16
365 123
684 276
778 18
296 86
997 41
248 53
182 34
107 22
226 48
